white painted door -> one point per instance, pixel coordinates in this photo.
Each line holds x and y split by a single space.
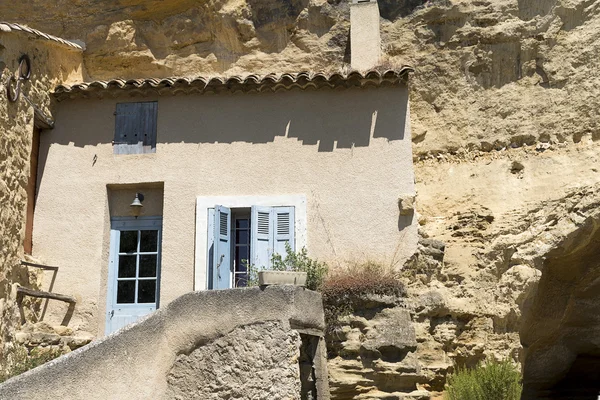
134 270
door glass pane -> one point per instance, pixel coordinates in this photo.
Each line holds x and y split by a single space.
148 265
241 281
241 257
128 242
242 223
147 291
148 241
127 266
125 292
241 236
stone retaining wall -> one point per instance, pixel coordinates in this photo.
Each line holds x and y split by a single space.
223 344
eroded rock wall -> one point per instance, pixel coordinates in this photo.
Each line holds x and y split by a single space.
50 64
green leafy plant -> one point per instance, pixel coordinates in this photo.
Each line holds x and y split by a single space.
301 262
21 360
252 274
490 381
292 261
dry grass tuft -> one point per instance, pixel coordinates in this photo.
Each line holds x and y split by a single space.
345 289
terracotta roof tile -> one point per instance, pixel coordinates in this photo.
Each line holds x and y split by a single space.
10 27
250 83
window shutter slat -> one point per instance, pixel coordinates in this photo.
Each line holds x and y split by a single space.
261 248
149 126
284 229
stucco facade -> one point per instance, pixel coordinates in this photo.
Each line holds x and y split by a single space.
345 153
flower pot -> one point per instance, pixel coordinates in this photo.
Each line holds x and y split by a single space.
281 278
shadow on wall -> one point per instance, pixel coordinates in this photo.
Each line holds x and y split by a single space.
392 9
530 9
327 118
560 330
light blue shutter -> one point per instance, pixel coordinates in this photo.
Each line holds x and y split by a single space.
221 264
261 248
283 229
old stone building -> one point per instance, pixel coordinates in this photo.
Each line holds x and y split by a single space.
504 131
144 190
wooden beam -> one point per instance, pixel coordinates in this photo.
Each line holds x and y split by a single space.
40 119
45 295
30 264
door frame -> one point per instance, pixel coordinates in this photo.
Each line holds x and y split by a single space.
129 223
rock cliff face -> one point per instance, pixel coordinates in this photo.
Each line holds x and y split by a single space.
490 74
505 127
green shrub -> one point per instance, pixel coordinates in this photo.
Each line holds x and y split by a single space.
20 360
490 381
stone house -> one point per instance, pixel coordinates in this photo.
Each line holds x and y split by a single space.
151 188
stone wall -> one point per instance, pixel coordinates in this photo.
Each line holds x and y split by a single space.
257 361
51 63
219 344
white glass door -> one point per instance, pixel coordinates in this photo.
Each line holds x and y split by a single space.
134 270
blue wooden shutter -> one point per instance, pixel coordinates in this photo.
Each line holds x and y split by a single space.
283 229
261 247
135 128
221 264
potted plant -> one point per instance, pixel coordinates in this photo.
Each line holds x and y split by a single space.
272 277
293 269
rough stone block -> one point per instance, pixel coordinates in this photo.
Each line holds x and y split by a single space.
392 337
257 361
406 204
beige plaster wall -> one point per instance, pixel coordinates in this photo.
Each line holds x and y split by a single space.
347 151
120 198
51 64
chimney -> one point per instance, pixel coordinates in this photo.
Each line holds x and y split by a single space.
365 42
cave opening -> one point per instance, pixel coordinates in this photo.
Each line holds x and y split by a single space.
560 330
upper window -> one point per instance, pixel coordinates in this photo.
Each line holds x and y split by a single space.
241 236
135 128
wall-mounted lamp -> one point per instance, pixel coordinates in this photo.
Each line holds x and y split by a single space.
136 205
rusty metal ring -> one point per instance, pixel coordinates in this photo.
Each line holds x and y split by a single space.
10 94
24 62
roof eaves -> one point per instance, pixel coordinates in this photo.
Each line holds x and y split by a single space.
246 84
